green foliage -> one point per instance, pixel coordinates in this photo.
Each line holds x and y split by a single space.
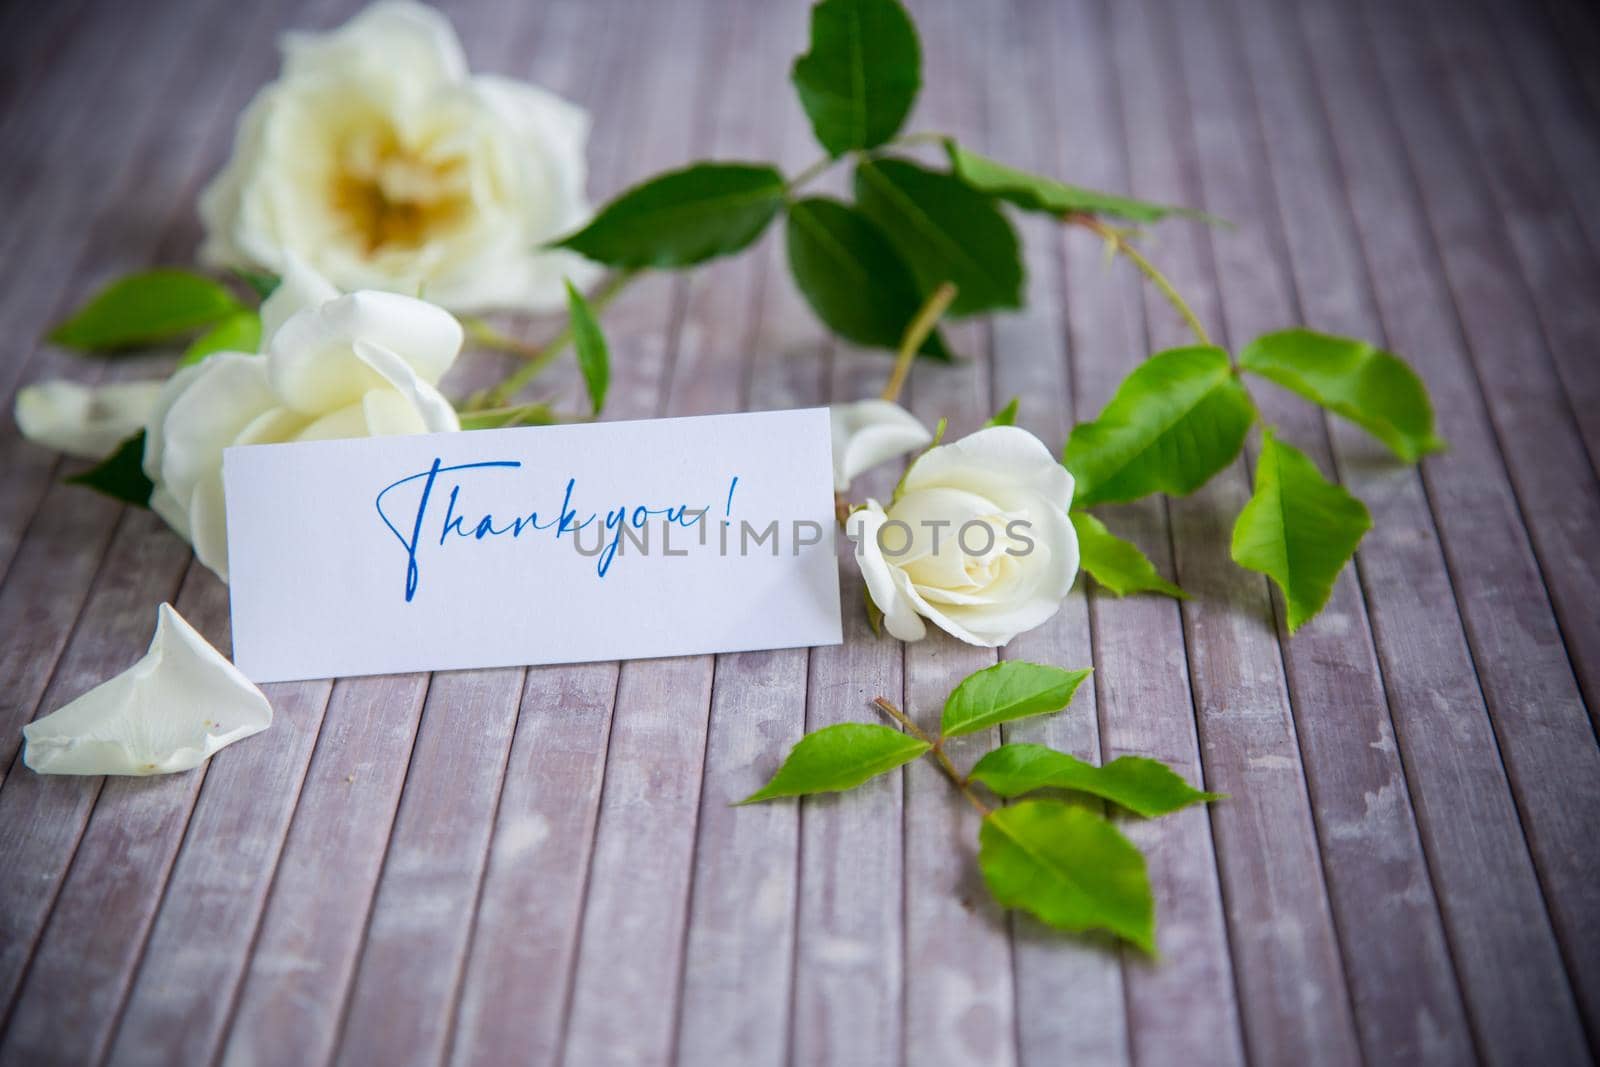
852 276
1116 564
594 357
1006 416
1372 388
1145 786
1011 689
1069 867
839 757
120 475
1178 419
145 308
239 332
1034 192
683 217
859 80
1299 529
1066 864
946 231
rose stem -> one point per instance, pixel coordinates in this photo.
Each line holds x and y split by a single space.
915 334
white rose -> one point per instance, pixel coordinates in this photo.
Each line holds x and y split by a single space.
378 159
977 540
869 432
360 365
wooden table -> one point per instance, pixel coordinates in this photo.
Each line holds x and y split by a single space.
542 865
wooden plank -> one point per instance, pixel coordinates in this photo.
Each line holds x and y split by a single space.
1070 1003
738 958
848 987
1467 819
287 1006
516 990
1532 698
144 567
1293 996
403 994
68 541
42 816
514 986
628 961
1187 1006
1556 102
1394 954
1560 270
959 1000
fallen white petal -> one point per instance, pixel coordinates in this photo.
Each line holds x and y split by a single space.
171 711
84 420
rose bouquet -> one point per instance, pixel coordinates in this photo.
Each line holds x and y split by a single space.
380 197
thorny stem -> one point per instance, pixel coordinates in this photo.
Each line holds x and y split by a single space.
1120 243
937 751
537 358
916 333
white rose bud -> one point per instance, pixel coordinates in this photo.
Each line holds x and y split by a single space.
869 432
977 540
362 365
378 159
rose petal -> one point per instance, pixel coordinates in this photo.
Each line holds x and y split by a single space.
994 457
869 432
886 585
300 287
410 45
84 420
169 712
312 361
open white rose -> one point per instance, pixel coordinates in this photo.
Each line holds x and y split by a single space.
869 432
977 540
361 365
378 159
84 420
169 712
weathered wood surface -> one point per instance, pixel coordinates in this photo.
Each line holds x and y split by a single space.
542 865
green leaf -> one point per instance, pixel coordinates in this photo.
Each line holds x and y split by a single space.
946 231
1177 420
1034 192
1116 564
1145 786
1298 529
1011 689
840 757
683 217
120 475
239 332
1069 867
862 74
594 358
144 308
852 276
1006 416
1372 388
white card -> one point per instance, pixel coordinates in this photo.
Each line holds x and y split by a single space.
551 544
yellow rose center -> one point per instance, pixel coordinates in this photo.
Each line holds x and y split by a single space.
392 197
